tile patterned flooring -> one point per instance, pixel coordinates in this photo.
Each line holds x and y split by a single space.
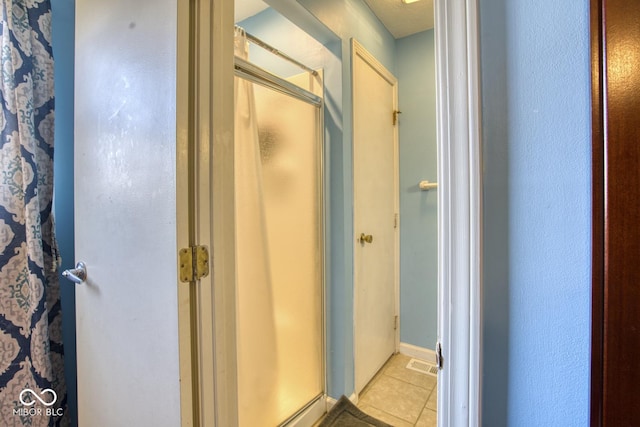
401 397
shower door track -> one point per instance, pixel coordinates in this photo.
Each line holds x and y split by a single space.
255 74
295 418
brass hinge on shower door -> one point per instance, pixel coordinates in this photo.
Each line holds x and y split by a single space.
194 263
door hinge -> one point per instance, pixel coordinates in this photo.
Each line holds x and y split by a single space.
395 220
395 322
439 358
194 263
395 116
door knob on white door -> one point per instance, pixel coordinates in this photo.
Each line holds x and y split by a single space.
366 238
77 275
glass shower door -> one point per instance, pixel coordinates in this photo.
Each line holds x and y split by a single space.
279 254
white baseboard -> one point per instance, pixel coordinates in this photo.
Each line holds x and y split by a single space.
418 352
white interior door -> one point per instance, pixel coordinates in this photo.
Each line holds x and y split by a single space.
375 208
125 213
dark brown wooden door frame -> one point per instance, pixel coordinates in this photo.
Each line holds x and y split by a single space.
615 341
597 269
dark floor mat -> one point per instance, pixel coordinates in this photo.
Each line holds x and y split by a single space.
346 414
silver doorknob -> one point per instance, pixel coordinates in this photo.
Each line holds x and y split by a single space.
77 275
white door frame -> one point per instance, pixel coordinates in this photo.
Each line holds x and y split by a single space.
459 204
459 212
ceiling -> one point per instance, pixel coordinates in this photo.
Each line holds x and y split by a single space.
247 8
400 19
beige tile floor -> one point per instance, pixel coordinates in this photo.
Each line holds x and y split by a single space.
401 397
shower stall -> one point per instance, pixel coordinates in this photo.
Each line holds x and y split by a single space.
279 239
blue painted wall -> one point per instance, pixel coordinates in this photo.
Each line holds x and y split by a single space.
63 19
353 18
537 204
415 70
273 28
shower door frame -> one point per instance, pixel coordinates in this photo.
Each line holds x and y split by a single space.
213 364
316 407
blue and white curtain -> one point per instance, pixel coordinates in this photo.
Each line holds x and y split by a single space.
32 388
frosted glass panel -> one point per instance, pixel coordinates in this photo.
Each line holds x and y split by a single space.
280 360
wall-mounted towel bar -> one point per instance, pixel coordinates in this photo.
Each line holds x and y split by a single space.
426 185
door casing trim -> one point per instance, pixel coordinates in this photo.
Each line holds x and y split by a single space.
459 212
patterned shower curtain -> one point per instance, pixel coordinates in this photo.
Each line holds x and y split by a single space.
32 388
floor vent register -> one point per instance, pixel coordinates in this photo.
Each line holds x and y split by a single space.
424 367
